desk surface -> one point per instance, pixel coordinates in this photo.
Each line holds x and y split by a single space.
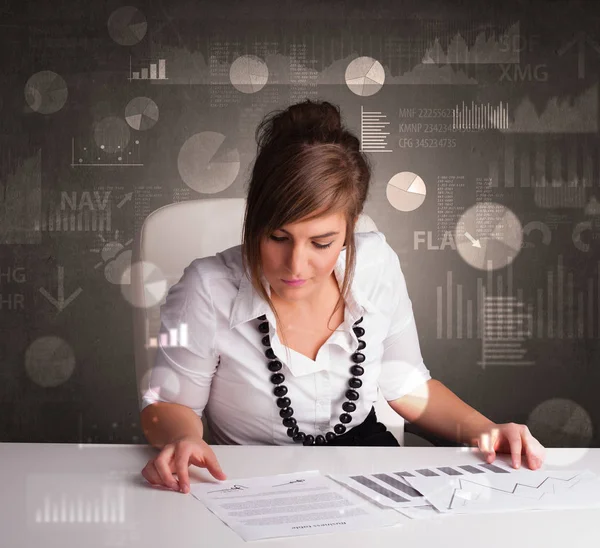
72 495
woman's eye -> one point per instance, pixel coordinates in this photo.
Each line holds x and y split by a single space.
318 246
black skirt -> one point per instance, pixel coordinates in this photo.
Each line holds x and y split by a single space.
370 432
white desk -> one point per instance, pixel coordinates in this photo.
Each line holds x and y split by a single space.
41 482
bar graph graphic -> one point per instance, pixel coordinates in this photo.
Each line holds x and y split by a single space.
175 337
156 70
49 503
372 136
556 311
562 313
559 171
20 195
390 489
84 220
480 116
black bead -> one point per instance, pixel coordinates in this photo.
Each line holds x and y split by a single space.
277 378
308 440
361 344
283 402
345 418
320 440
358 357
339 428
270 354
289 422
264 327
352 395
280 390
349 406
358 330
354 383
291 432
356 322
357 370
330 436
299 436
266 340
274 366
286 412
264 317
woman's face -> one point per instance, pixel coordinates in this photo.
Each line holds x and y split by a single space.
306 250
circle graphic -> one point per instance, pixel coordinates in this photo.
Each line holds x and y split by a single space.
488 236
248 74
152 280
561 422
112 134
207 163
365 76
46 92
127 26
406 191
141 113
49 361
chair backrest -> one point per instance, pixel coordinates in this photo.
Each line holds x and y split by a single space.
170 239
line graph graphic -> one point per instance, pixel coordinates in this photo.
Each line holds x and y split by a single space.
519 489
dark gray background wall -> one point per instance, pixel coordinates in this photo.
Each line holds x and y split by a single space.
489 111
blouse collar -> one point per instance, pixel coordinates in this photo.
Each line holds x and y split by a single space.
249 305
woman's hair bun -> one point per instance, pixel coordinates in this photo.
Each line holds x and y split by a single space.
307 121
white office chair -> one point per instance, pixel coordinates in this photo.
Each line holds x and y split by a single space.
171 238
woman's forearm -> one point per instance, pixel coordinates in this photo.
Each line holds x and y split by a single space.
443 413
163 423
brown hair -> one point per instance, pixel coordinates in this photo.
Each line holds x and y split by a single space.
307 166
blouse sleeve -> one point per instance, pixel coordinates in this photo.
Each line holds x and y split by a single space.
183 373
402 367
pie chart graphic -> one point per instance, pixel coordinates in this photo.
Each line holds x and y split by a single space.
561 422
153 282
406 191
46 92
127 26
49 361
488 236
365 76
141 113
249 74
208 162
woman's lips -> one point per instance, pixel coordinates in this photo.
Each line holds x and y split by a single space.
294 283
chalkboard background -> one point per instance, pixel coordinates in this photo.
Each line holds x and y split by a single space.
490 112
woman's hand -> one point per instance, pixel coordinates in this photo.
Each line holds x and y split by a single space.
175 458
514 439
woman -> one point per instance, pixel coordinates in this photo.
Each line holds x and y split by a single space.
305 286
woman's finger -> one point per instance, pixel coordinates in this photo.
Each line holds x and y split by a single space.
163 465
513 436
182 463
151 474
533 449
487 444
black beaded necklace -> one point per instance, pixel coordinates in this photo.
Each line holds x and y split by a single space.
284 402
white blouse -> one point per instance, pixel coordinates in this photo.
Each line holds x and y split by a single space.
221 369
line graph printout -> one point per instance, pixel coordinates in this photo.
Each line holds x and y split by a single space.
514 489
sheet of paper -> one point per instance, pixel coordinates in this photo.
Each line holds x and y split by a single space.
302 503
499 488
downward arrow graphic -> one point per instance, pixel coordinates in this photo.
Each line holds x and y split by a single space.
60 303
473 240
